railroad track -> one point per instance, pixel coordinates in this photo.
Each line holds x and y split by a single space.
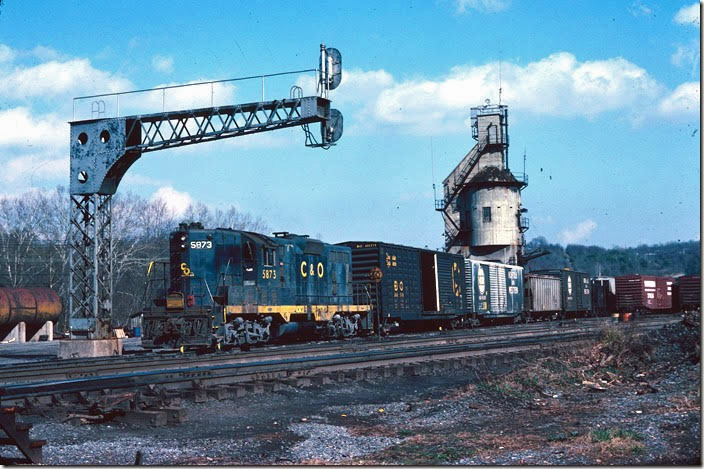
52 378
55 369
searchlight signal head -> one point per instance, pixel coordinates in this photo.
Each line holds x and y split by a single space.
332 127
330 68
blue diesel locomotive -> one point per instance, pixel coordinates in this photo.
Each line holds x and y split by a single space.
238 288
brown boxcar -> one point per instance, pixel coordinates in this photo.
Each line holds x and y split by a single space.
643 293
687 293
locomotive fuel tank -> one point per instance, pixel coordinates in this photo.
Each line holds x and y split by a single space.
34 306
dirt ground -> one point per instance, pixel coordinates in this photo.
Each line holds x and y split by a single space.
626 400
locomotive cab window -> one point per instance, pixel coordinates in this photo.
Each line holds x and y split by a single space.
268 256
486 214
249 256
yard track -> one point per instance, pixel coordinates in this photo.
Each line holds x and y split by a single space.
189 371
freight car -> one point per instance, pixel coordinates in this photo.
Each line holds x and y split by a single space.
641 293
228 287
558 293
494 290
603 295
543 296
687 293
409 286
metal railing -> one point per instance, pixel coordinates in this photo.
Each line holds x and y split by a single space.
100 101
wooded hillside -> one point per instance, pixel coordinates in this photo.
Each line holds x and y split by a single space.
675 258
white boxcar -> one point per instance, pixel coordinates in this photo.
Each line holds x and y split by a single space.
494 290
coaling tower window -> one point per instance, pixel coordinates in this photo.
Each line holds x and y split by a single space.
486 214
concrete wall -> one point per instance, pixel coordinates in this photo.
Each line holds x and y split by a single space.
503 229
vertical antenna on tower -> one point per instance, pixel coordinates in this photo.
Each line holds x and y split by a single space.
432 168
524 160
499 77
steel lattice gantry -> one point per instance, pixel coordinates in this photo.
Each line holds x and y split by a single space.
102 150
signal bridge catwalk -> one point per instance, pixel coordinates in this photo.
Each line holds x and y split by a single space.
102 150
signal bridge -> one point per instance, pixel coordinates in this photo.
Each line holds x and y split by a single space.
104 148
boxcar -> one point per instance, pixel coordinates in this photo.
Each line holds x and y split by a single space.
687 293
543 295
409 285
575 290
636 293
603 295
494 290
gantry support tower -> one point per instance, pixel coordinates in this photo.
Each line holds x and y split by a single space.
102 150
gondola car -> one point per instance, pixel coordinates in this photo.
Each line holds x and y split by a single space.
231 287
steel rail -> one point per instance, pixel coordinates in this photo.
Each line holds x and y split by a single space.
230 373
76 368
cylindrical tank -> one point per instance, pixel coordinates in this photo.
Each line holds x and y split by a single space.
34 306
494 216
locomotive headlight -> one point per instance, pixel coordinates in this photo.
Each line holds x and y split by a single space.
183 246
183 238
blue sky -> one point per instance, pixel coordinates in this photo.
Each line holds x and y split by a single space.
603 97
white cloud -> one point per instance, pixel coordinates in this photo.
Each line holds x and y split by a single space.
6 54
579 233
489 6
177 202
685 100
29 169
640 9
173 99
163 64
687 56
45 54
688 15
22 129
58 78
557 85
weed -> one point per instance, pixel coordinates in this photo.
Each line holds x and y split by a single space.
637 449
612 338
600 434
628 434
559 437
427 454
403 433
